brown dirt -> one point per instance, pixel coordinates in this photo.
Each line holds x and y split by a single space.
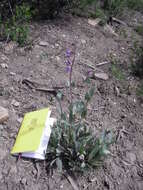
122 113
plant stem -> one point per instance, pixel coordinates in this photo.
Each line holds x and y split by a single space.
70 76
60 105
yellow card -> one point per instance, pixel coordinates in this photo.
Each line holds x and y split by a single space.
30 133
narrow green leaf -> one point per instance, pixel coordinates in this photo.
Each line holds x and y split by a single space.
109 138
71 116
89 94
59 164
87 80
59 95
79 108
104 150
93 152
96 163
84 113
87 97
63 116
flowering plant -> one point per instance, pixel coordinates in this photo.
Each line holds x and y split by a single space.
72 145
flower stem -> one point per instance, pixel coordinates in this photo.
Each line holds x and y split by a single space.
70 76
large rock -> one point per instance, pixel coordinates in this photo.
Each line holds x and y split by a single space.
3 114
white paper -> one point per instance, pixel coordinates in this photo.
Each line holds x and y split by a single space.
40 153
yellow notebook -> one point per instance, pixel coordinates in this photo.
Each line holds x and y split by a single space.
34 134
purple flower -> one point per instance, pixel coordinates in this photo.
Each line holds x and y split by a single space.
90 73
68 69
68 53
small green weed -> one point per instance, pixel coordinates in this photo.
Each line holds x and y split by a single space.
16 28
72 145
117 73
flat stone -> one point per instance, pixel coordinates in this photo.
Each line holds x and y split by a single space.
12 74
102 76
3 114
43 43
94 22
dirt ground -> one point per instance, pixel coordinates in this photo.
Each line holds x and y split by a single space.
115 105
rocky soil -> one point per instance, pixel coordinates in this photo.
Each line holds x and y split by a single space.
115 105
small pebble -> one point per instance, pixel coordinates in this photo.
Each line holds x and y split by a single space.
24 181
15 103
4 65
43 43
12 74
61 186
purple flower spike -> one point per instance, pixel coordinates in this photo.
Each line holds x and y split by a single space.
68 53
68 69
